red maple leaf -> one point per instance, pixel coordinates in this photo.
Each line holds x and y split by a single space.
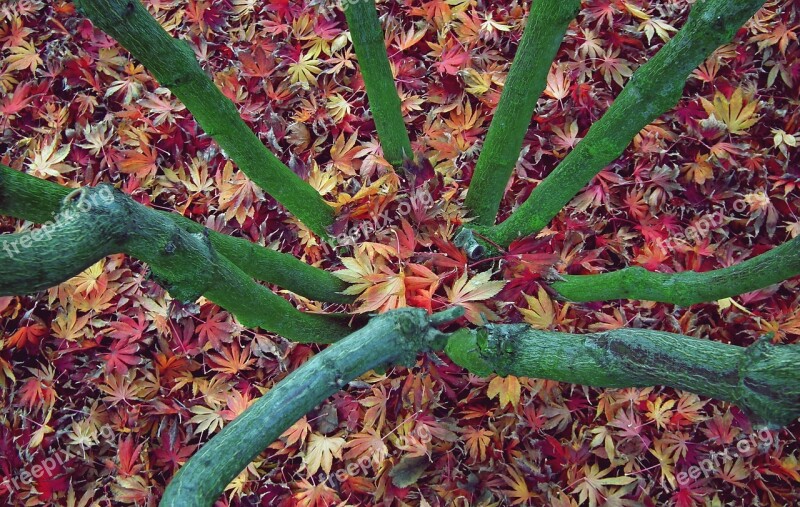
451 60
121 355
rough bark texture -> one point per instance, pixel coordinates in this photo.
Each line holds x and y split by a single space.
395 337
29 198
99 221
174 65
762 379
547 22
653 89
688 287
384 102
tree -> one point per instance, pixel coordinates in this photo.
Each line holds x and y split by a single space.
190 260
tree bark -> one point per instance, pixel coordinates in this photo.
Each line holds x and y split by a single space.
688 287
373 61
94 222
174 65
29 198
762 379
652 90
395 337
547 22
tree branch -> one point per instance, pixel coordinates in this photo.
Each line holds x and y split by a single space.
29 198
762 379
175 66
547 22
384 102
395 337
99 221
688 287
653 89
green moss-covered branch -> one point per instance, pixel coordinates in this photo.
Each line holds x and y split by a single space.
175 66
29 198
384 102
653 89
395 337
762 379
547 22
688 287
95 222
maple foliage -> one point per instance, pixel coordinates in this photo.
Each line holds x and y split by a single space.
124 383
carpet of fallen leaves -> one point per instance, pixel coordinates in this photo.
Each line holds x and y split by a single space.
109 385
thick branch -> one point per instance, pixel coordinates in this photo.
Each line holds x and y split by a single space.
547 22
653 89
29 198
762 379
688 287
99 221
384 102
391 338
173 63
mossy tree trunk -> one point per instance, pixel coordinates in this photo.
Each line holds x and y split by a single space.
544 31
653 89
29 198
174 65
95 222
373 61
687 287
762 379
392 338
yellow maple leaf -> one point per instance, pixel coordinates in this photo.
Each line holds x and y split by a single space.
238 194
48 159
41 430
466 292
592 487
323 182
68 326
321 451
558 83
541 313
726 303
379 288
736 116
304 71
659 411
24 56
476 289
507 388
477 83
655 26
700 170
636 12
359 271
338 107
